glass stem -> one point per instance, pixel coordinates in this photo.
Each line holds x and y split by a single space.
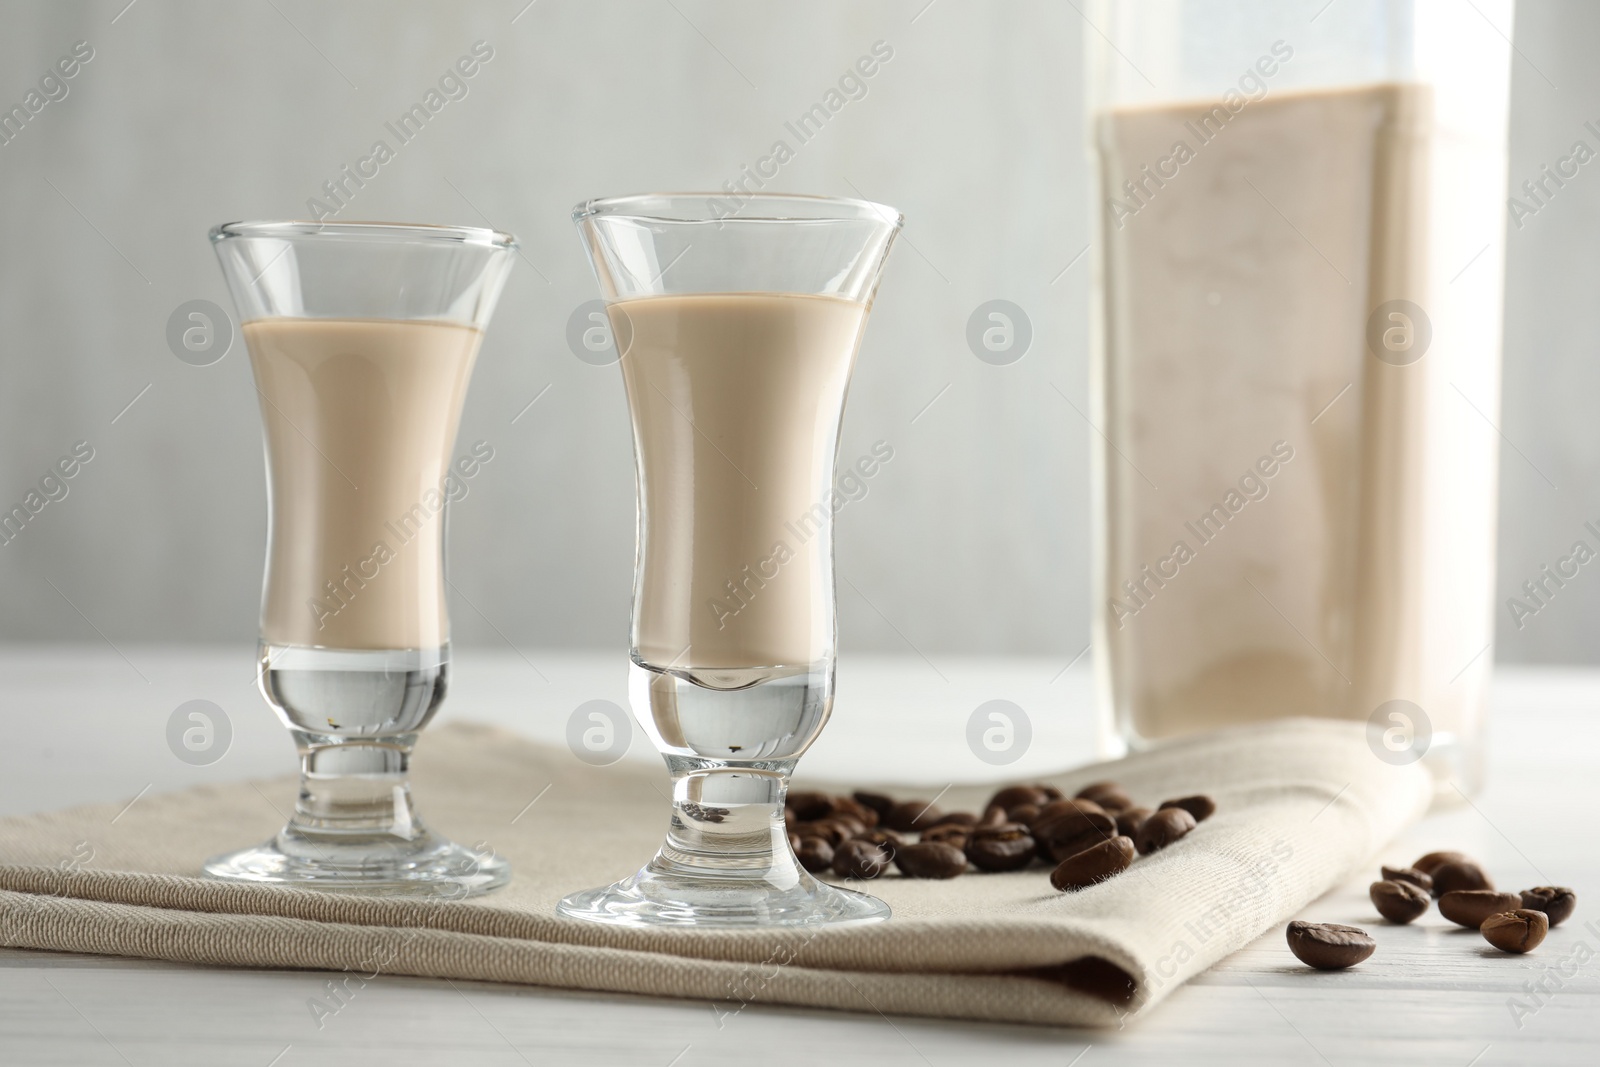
355 786
727 823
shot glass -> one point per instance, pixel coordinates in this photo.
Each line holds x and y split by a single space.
362 338
737 325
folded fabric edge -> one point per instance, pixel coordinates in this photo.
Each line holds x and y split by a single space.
1011 946
1069 994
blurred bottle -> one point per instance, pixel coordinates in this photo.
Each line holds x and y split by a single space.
1297 366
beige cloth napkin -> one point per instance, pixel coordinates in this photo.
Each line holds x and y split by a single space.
1301 803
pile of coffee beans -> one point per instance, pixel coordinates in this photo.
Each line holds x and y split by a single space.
1511 922
1085 839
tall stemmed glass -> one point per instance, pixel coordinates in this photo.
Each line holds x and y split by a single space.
362 338
738 325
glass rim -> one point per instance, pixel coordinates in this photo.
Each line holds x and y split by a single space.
778 207
393 231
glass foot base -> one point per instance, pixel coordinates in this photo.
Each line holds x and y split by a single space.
653 899
425 866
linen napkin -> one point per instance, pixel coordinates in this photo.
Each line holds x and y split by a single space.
1301 804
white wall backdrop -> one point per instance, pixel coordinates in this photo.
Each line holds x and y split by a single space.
974 538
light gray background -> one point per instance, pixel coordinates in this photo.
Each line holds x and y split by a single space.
974 538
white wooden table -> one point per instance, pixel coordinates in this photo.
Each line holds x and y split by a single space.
88 724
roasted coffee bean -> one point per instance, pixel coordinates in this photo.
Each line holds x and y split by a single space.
1056 851
1094 864
878 802
1434 860
1460 874
1007 847
1014 796
912 815
1469 907
703 812
1063 819
1050 792
815 854
852 826
1115 802
956 836
1399 902
955 818
809 806
1089 791
887 840
854 809
930 859
1162 828
830 832
1521 930
836 828
1109 795
1408 874
1128 821
1556 901
1025 814
1329 946
1200 806
859 859
993 815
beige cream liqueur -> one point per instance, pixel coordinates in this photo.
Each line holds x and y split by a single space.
1238 363
360 418
736 400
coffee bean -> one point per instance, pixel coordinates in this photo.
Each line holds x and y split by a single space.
1469 907
836 828
951 834
1007 847
1399 902
1050 792
1408 874
1434 860
704 813
831 832
930 859
809 806
1329 946
878 802
1058 850
1093 864
1109 795
1116 802
1025 814
1557 902
1200 806
993 815
859 859
1014 796
1128 821
1089 791
1162 828
954 818
887 840
1062 819
852 826
854 809
1521 930
912 815
1459 874
815 854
